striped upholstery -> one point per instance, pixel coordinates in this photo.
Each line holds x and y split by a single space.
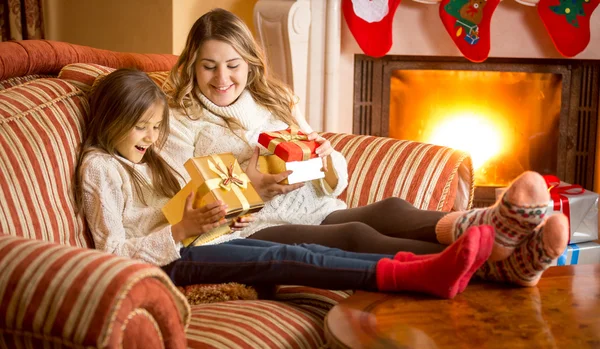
83 75
426 175
40 129
4 84
72 297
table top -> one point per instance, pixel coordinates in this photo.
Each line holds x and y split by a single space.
563 311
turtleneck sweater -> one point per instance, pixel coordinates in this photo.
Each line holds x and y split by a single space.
213 129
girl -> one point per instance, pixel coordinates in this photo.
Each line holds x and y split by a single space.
224 97
124 182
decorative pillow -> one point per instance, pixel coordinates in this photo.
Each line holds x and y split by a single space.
213 293
83 75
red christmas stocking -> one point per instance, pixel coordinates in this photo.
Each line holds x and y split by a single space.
568 23
468 23
370 21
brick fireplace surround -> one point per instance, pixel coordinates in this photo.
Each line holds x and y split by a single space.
311 48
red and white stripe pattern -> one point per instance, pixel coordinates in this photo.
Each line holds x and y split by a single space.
424 174
40 130
74 297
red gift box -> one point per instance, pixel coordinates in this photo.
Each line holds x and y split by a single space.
289 145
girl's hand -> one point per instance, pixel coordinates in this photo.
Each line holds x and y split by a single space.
324 149
242 222
197 221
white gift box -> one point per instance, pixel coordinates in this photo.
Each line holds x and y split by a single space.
581 207
584 253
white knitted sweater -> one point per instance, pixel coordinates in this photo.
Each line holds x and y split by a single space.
119 221
211 134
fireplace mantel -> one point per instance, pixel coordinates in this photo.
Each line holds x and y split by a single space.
310 46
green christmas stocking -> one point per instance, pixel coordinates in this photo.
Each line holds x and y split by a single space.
568 23
468 23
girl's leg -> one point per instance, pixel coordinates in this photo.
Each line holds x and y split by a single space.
324 250
287 264
350 236
393 217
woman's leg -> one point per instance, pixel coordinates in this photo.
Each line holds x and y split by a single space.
393 217
350 236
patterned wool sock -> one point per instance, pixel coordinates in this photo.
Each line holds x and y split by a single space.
486 242
527 263
514 216
439 275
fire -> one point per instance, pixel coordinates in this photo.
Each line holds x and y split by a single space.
472 133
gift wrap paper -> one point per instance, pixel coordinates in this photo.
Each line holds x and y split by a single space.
289 145
584 253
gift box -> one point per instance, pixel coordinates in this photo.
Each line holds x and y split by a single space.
584 253
579 205
214 177
289 145
303 171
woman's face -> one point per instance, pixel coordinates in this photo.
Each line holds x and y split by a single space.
221 73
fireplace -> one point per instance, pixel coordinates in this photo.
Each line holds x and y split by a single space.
511 115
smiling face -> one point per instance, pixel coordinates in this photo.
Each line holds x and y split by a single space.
145 133
221 73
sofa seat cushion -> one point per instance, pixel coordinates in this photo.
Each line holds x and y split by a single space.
41 124
294 323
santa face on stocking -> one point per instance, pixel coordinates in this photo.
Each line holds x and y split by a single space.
371 10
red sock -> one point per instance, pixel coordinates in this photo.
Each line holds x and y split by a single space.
468 23
486 243
370 22
568 23
439 275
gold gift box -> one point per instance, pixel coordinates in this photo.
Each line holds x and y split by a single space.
213 178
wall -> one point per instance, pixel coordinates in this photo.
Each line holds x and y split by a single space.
159 26
119 25
186 12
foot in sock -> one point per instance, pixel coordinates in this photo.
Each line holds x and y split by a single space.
527 263
439 275
486 242
514 216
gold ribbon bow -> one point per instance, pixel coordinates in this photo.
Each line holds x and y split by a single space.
291 136
232 178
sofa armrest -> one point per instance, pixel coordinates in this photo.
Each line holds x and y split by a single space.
51 293
429 176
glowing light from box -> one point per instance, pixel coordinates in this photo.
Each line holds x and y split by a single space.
472 133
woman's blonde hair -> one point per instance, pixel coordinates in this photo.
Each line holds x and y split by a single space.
117 103
222 25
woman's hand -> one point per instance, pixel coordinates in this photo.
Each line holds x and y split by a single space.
324 149
197 221
242 222
267 185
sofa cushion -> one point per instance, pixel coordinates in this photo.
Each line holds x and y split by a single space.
40 130
4 84
297 323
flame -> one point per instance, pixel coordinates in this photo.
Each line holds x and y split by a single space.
472 133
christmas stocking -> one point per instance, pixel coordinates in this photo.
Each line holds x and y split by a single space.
370 21
468 23
568 23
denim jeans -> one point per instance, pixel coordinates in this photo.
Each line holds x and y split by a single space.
256 262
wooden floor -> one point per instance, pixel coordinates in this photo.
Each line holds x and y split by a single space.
563 311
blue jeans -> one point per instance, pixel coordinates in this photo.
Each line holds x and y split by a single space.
256 262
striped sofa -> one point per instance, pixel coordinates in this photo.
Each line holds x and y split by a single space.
57 291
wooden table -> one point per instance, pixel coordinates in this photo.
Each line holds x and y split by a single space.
563 311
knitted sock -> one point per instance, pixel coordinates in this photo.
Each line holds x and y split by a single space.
514 216
439 275
527 263
486 242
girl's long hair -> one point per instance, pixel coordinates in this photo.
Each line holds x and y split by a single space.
222 25
117 103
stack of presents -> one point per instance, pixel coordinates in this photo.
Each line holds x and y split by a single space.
581 208
220 177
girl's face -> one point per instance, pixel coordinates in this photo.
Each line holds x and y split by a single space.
142 135
221 73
